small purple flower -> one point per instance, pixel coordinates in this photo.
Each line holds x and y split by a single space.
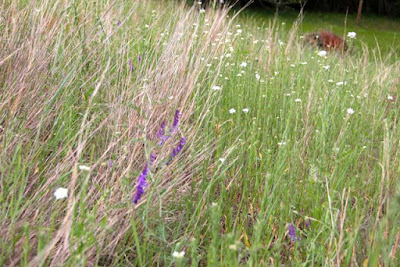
160 133
292 233
141 183
110 163
176 122
131 66
119 23
139 59
153 157
308 224
176 150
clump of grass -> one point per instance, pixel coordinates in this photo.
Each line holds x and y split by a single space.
272 140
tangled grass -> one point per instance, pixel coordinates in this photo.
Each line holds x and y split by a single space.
277 139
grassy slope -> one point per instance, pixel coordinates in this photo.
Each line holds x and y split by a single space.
373 31
296 157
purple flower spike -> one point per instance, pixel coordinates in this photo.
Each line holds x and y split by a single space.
153 157
141 183
160 134
292 233
176 122
131 66
176 150
308 224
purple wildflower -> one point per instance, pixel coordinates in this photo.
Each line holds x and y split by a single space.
139 59
160 134
176 150
131 66
153 157
292 233
176 122
119 23
110 163
141 183
308 224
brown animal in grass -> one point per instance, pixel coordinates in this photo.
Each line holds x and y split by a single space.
326 40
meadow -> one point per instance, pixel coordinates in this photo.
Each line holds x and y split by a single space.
137 133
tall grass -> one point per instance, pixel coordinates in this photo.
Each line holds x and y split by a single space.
275 138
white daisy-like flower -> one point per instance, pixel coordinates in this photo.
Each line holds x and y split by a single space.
390 97
341 83
61 193
280 43
228 55
178 255
258 76
322 53
239 31
350 111
327 67
202 10
352 35
303 63
244 64
232 110
297 100
84 168
281 143
222 160
245 110
330 81
216 88
292 65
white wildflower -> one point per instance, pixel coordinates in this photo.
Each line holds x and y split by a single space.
297 100
281 143
390 97
303 63
61 193
202 10
258 76
84 168
341 83
327 67
245 110
350 111
322 53
244 64
232 110
222 160
216 88
351 35
178 255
